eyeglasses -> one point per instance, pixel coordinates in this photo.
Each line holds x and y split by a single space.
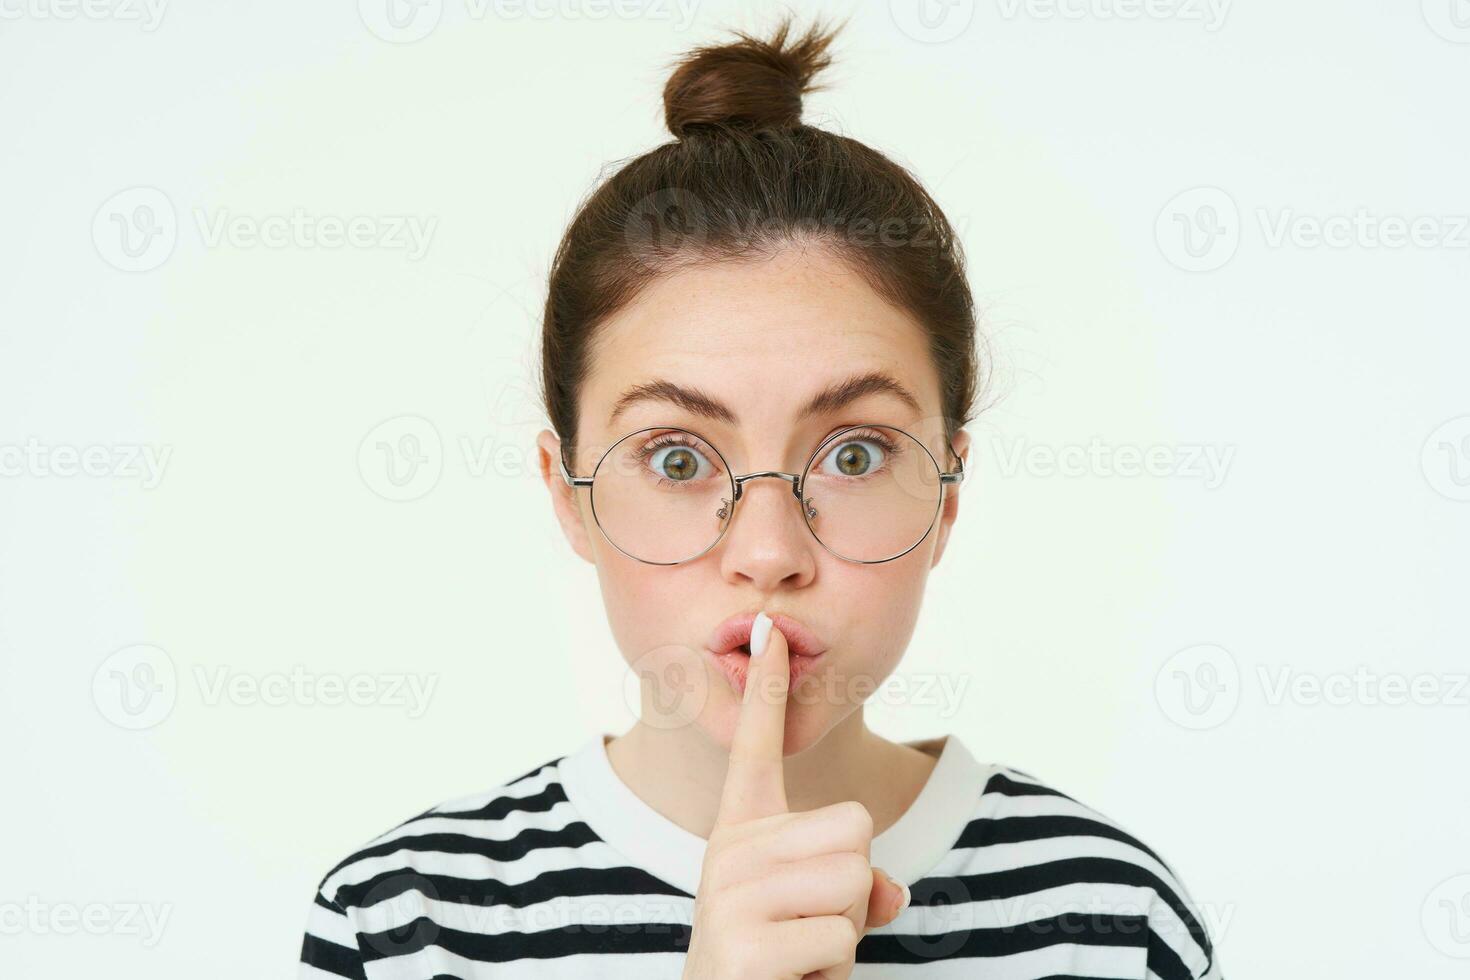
665 495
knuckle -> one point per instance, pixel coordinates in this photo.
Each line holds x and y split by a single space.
854 871
727 866
857 817
836 934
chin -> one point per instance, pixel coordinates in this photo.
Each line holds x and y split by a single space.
806 724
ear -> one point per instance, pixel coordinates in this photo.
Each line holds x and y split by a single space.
566 500
952 495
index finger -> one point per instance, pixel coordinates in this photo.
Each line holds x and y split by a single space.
755 782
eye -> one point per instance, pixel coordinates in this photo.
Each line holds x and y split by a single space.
678 462
856 457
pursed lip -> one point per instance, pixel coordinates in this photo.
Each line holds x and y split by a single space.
800 641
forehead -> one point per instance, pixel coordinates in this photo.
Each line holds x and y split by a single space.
763 337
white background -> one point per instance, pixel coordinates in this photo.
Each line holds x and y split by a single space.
1123 637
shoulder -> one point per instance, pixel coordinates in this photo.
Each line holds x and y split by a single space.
511 873
1058 858
388 896
471 835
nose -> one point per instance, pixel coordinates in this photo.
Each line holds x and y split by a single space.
768 546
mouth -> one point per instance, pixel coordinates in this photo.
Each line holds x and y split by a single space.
729 645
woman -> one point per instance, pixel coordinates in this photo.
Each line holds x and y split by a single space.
758 359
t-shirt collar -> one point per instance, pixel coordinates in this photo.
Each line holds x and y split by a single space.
907 850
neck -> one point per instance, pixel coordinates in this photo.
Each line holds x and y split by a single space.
680 772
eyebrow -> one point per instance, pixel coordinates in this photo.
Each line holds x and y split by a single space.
830 399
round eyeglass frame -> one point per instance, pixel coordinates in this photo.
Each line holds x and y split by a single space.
797 480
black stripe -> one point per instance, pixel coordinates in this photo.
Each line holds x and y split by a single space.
503 806
1015 830
1011 830
524 776
657 937
1032 878
528 774
331 957
1006 786
1166 963
1128 931
620 938
487 892
496 809
574 834
1010 787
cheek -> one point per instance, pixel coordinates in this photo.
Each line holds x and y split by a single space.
875 608
670 682
647 606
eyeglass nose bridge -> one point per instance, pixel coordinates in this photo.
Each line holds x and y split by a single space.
792 478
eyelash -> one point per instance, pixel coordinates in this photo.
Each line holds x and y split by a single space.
645 453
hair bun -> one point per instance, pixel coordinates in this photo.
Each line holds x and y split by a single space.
747 84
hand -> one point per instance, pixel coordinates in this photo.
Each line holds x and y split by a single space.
782 895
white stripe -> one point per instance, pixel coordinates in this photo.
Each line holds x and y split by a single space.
474 866
1120 962
494 920
1005 857
433 960
1171 930
334 927
1017 912
504 829
1021 854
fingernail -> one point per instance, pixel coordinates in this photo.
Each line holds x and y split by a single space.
908 896
760 633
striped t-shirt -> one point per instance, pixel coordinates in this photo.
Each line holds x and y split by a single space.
564 872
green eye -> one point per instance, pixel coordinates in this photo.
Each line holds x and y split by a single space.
677 463
857 457
853 459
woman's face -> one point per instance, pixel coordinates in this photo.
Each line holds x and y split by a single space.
759 339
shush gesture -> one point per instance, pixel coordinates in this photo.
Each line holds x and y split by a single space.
782 895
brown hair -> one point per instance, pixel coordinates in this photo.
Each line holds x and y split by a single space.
742 178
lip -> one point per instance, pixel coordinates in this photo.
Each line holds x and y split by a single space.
804 646
800 641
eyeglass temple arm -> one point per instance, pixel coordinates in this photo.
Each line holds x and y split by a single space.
958 476
572 481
